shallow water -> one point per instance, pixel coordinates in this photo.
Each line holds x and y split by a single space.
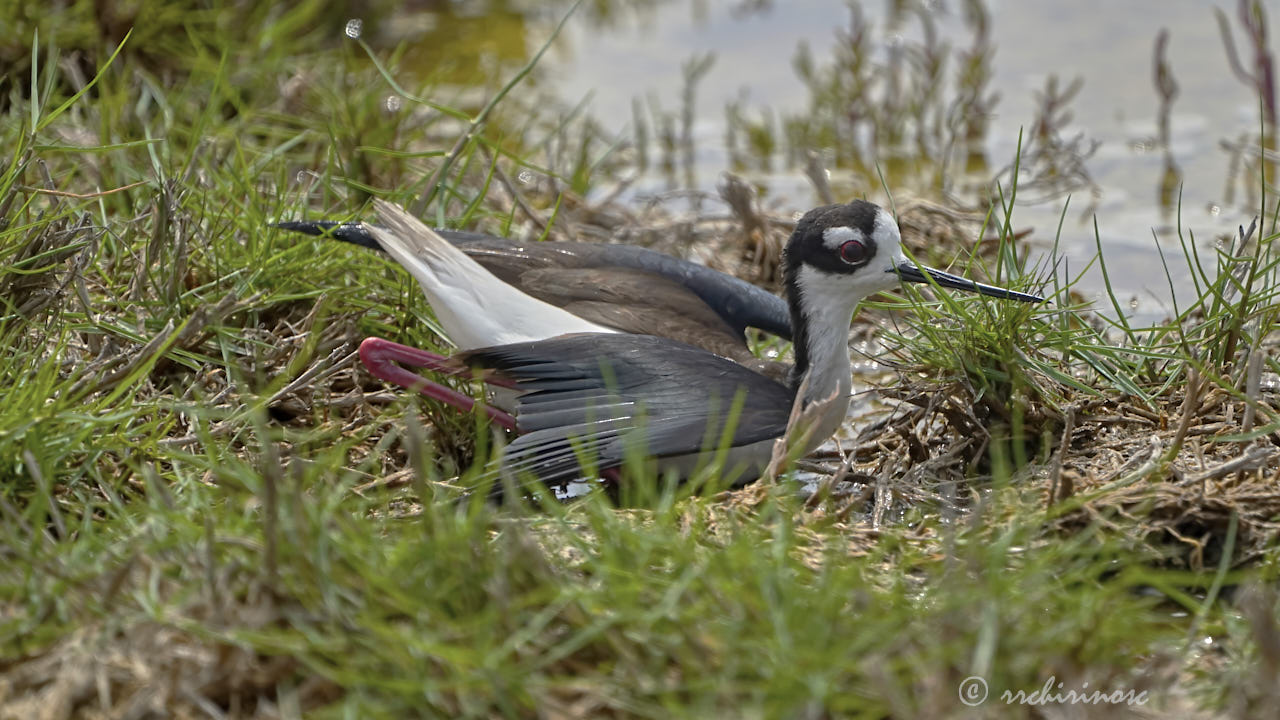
616 54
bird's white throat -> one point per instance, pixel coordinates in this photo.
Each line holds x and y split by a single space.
827 303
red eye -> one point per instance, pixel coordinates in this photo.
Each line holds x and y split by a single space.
853 252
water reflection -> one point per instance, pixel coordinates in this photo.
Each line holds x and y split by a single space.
469 44
1167 90
1253 154
898 98
1260 75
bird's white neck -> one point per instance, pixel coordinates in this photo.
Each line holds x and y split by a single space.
822 310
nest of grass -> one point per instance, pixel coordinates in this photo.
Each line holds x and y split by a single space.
1165 478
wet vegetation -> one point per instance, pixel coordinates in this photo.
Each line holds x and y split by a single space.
208 509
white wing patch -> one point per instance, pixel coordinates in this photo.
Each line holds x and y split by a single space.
475 308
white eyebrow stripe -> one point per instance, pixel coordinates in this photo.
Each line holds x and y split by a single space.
834 237
886 227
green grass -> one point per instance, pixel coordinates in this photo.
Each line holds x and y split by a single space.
208 510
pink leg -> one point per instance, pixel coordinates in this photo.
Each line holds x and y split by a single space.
381 357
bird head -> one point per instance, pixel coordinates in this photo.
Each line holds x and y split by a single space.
854 250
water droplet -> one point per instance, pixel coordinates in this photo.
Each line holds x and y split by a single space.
354 27
393 103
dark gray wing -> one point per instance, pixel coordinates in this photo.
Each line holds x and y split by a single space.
597 396
703 291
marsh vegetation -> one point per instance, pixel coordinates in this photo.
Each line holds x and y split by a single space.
208 509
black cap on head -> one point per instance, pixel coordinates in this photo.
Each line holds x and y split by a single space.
822 232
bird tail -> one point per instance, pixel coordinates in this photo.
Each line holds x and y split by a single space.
351 232
418 248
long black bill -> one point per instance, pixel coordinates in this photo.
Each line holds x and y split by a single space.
914 273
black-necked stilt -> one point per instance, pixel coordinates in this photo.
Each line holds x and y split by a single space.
577 383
